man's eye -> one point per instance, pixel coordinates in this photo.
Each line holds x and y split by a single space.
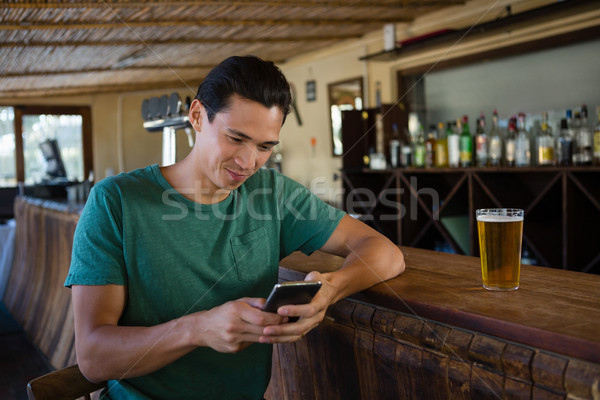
235 140
265 148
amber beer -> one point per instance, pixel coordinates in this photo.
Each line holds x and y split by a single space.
500 236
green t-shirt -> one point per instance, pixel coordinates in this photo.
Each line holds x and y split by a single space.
177 257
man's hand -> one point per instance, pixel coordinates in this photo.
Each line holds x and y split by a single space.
310 314
235 325
370 258
106 350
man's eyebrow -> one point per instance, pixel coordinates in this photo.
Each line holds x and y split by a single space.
242 135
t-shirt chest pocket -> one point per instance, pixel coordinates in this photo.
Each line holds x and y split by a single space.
251 252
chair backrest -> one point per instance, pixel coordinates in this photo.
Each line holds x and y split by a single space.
63 384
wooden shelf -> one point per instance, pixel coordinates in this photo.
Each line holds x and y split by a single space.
425 207
497 49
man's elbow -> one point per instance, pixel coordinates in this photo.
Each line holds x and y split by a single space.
90 368
398 264
390 256
90 372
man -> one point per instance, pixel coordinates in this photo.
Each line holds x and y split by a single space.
171 265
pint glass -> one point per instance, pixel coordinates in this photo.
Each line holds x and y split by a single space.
500 236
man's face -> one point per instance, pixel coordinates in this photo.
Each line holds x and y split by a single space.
236 144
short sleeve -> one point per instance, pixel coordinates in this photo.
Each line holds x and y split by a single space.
307 221
97 257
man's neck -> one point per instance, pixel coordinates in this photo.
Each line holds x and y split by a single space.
182 177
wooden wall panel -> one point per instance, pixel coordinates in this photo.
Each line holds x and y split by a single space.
459 379
485 384
582 379
408 365
303 374
363 350
384 357
516 362
434 371
547 371
275 390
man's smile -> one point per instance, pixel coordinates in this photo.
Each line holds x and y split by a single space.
238 176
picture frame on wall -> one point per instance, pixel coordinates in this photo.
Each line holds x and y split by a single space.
311 90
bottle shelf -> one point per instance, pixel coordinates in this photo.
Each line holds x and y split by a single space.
435 208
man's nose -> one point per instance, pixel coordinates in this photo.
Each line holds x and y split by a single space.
246 157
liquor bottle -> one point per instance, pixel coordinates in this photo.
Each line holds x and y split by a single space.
466 144
406 153
509 143
575 125
545 144
589 137
441 148
597 139
534 134
453 146
564 144
569 114
522 144
495 147
395 147
430 145
583 140
419 158
481 143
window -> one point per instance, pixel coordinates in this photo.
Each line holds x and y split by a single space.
66 130
8 173
21 159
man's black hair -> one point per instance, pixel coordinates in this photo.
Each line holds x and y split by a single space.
249 77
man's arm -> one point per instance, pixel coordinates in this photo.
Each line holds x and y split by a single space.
108 351
370 258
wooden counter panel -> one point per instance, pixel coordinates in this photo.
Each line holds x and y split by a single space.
555 310
35 294
428 360
433 332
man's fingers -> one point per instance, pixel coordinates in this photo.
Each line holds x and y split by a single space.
255 302
255 316
280 339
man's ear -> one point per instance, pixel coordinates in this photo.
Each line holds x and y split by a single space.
195 114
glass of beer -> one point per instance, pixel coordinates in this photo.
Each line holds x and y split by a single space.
500 237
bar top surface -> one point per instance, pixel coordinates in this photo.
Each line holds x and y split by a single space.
553 310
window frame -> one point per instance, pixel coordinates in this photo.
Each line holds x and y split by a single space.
86 133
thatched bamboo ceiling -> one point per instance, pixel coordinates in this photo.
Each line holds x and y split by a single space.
74 46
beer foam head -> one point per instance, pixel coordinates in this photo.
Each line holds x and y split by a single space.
499 218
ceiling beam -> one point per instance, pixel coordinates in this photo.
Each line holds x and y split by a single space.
239 3
96 70
204 22
178 41
82 90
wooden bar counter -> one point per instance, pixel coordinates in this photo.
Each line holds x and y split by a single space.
435 333
431 333
35 295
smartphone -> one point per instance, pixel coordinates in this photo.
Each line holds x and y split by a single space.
284 293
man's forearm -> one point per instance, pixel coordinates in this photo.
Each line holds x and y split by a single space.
371 261
118 352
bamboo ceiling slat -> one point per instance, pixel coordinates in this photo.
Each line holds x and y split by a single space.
110 88
72 46
248 16
40 4
178 41
161 67
203 22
